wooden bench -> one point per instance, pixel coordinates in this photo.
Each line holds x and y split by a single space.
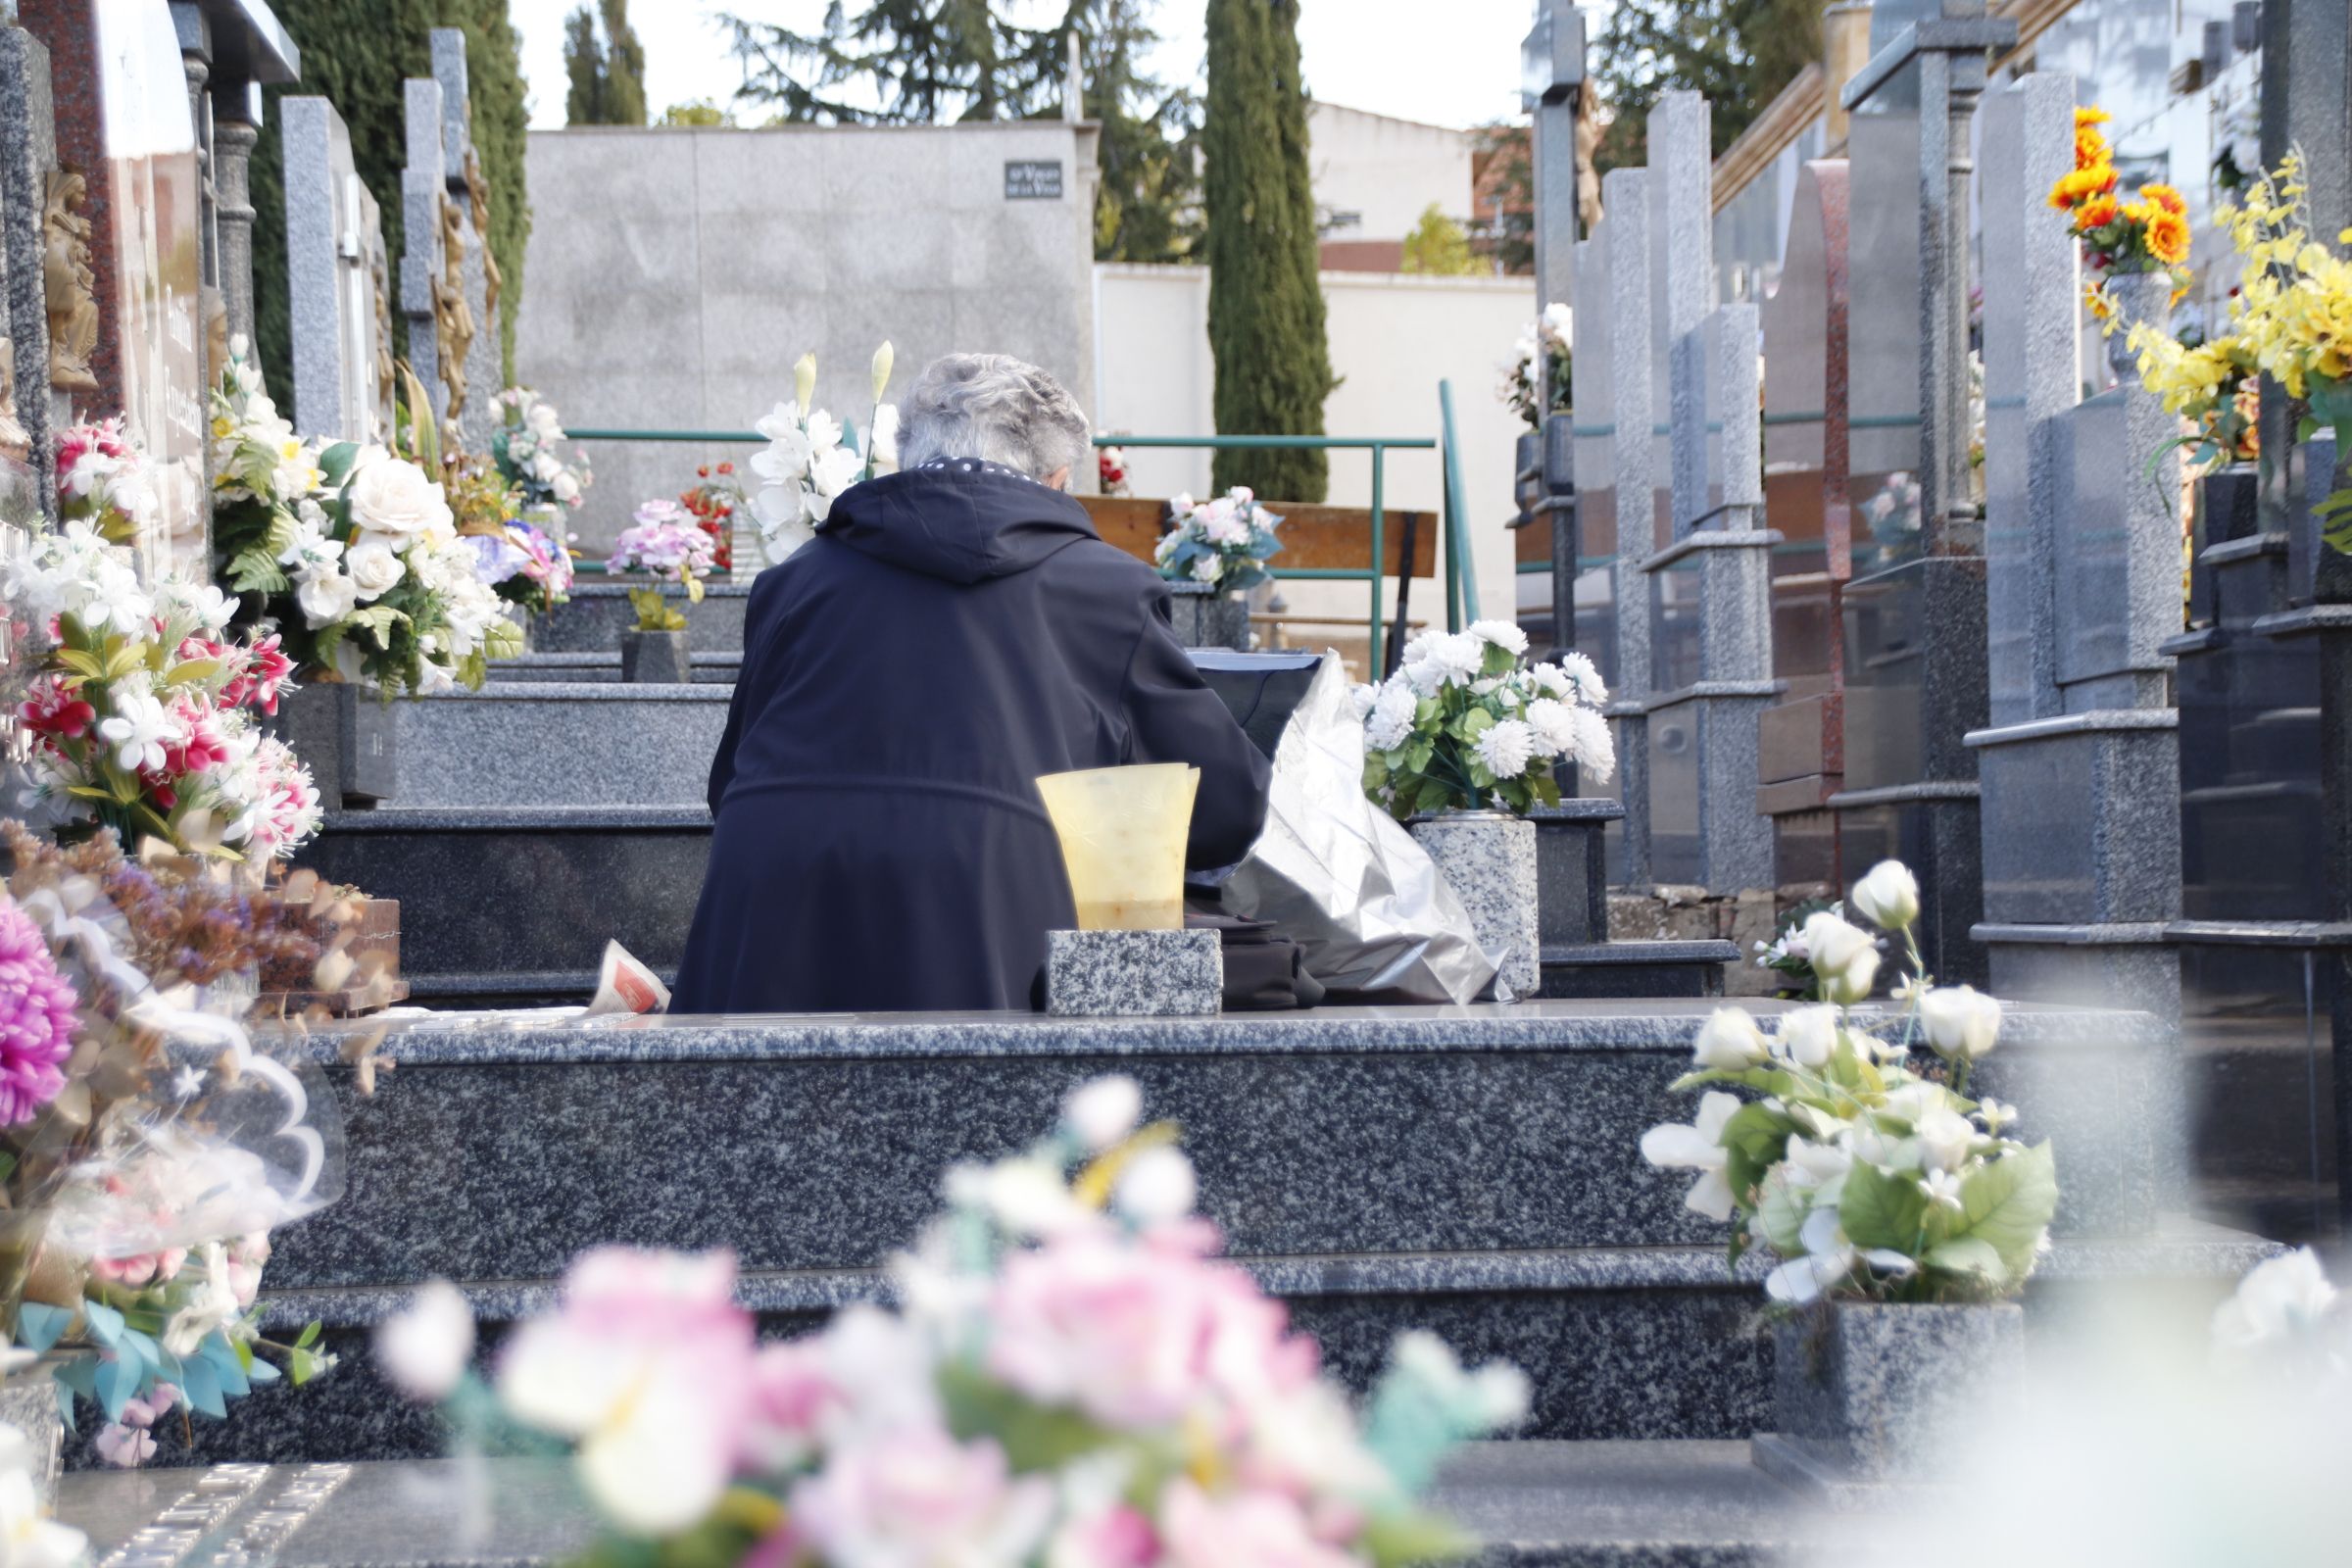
1313 537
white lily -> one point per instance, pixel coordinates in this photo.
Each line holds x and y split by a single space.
1828 1262
1698 1147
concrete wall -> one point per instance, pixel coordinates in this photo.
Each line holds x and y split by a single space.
1392 339
675 275
1384 170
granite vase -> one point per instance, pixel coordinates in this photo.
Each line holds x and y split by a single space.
1489 859
1527 472
1869 1394
1210 616
2139 296
656 658
29 1403
344 731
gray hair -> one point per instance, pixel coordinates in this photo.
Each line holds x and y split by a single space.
996 409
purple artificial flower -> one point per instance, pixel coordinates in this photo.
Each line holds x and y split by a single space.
36 1019
496 557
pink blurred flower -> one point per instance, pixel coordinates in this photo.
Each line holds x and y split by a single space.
649 1366
138 1269
36 1019
1117 1536
200 746
1262 1529
916 1496
794 1397
246 1257
123 1446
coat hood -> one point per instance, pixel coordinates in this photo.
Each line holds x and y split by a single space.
957 520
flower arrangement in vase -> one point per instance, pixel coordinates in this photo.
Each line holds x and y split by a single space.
809 464
153 1144
2291 318
1870 1178
527 566
1465 724
1546 338
1111 472
104 480
1071 1377
351 554
1223 543
141 710
667 544
2118 237
528 447
717 504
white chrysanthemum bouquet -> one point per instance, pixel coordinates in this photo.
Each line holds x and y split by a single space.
1071 1377
1465 724
1225 542
1549 333
1870 1178
808 463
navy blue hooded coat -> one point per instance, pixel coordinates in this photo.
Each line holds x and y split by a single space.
956 631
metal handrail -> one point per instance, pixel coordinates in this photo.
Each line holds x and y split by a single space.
1461 587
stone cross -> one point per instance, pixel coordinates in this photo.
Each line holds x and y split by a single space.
469 194
335 231
426 305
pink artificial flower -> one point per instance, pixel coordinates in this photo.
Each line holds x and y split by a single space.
201 746
649 1366
794 1397
1117 1537
36 1019
140 1269
246 1257
261 671
918 1495
123 1446
1262 1529
52 709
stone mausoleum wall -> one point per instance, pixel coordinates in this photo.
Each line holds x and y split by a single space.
677 273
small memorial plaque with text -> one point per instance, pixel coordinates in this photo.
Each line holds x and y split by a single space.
1033 179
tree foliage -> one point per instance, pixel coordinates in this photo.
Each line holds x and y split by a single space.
935 62
1438 247
603 66
1265 299
358 54
696 111
1740 53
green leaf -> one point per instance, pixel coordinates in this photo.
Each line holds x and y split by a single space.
2007 1204
1474 723
1881 1211
334 463
301 1367
1968 1255
308 1336
1034 1436
1781 1210
1759 1132
1410 1536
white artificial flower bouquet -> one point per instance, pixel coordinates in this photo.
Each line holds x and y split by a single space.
808 463
1548 335
1071 1377
1465 724
1225 542
1870 1178
528 447
351 552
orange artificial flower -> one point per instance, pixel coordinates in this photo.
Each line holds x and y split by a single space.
2168 237
2166 197
2096 212
2090 115
2081 186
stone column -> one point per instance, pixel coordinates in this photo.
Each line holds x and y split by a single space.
423 187
235 129
1625 197
1557 45
196 59
27 155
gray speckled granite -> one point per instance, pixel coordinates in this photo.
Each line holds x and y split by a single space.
1875 1393
1489 859
598 613
655 658
1571 893
1126 974
601 668
1208 618
583 743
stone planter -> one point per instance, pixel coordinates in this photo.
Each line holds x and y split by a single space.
347 735
1207 617
1527 472
2139 296
1489 859
1869 1396
29 1403
656 658
1572 874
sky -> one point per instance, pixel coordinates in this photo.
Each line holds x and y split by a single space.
1446 62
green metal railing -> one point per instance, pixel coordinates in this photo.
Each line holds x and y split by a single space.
1461 587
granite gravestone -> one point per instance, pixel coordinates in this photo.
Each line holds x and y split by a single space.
1800 741
1626 234
470 267
28 158
127 147
436 328
334 242
1710 624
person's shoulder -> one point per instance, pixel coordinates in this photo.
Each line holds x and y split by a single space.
1106 569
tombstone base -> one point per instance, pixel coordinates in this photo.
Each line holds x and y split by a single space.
1134 974
2081 818
348 736
1933 828
1207 617
1703 826
1572 874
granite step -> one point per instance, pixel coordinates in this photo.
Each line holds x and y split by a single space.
559 743
719 666
598 613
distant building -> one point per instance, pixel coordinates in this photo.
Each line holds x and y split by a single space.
1375 176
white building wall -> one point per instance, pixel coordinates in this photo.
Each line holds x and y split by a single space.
1386 171
1392 339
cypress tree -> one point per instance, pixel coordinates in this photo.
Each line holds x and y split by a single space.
606 70
625 67
583 70
357 54
1265 301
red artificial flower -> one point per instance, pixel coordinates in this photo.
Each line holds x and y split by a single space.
256 685
57 713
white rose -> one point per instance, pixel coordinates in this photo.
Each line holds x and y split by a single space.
325 595
394 497
422 1352
1961 1022
374 563
565 487
1843 956
1810 1036
1944 1136
1729 1041
1888 897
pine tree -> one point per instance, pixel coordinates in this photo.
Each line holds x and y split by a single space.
1740 53
1265 301
929 62
1438 247
604 68
358 54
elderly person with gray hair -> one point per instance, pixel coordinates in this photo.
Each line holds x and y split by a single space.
955 630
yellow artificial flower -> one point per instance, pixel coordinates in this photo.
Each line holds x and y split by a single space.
2166 197
2167 238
